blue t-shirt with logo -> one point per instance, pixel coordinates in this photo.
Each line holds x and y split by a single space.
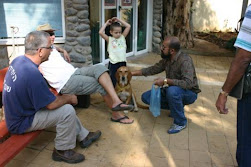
25 92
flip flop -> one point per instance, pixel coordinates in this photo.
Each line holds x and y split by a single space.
119 108
122 118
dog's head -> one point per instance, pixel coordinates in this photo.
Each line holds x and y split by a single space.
123 76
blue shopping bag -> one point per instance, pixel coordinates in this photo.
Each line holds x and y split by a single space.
155 101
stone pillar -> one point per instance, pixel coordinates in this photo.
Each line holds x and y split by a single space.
78 39
157 25
4 61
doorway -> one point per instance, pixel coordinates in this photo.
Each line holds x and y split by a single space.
135 12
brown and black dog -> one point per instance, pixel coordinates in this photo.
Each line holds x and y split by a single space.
123 88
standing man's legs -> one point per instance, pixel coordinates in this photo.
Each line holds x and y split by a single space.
243 131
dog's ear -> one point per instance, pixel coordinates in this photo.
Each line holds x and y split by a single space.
129 76
117 74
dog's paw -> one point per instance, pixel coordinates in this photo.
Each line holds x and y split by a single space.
126 111
136 109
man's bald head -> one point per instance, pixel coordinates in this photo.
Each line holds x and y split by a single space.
173 43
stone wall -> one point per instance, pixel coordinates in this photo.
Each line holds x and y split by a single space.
157 25
77 24
4 62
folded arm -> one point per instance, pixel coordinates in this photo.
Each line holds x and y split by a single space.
62 100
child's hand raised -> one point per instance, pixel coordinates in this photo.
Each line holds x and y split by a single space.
109 22
115 19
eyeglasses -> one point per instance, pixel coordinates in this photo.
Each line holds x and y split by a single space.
50 47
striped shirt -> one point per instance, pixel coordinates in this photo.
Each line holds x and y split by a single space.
244 37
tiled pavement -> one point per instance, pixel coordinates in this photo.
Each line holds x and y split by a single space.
208 141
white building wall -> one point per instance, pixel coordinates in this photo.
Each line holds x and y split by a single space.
216 15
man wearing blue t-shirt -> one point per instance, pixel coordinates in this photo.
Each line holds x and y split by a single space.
29 104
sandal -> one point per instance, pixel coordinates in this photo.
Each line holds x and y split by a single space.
122 118
119 108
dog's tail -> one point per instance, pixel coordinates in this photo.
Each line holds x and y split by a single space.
140 105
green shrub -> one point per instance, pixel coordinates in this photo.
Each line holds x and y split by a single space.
230 44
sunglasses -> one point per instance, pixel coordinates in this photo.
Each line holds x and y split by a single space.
51 33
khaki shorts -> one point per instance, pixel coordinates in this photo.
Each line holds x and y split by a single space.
85 81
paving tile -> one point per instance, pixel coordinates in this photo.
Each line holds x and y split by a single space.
179 140
198 140
160 130
179 154
220 159
218 144
94 154
36 165
214 126
177 163
85 163
141 141
153 161
219 165
200 164
27 155
161 141
157 151
135 158
43 158
50 146
232 144
200 156
17 163
164 118
114 157
230 132
131 166
42 140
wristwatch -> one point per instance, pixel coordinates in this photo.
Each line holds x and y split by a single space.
165 82
223 93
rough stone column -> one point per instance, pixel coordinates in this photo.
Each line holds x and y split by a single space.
78 39
157 25
4 61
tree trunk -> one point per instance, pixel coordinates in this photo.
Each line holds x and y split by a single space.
177 20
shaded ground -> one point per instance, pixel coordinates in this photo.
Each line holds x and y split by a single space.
222 39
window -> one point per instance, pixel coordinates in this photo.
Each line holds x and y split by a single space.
26 15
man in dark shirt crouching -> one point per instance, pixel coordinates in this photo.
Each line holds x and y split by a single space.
180 84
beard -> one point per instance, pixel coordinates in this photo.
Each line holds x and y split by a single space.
163 56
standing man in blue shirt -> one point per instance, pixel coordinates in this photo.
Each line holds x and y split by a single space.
29 104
